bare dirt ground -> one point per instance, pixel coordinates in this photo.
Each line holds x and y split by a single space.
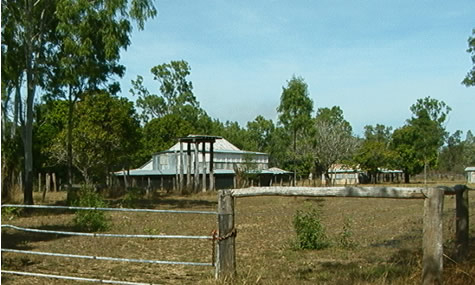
387 234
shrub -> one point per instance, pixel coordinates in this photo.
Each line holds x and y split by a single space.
90 220
346 236
9 213
132 198
310 232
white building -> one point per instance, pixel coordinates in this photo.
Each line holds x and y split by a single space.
470 173
219 161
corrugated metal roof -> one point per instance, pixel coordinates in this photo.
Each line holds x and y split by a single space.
470 169
276 170
148 165
220 144
143 172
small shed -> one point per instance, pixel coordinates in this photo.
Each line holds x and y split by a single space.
470 173
341 174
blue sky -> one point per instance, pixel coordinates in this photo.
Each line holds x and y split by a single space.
372 58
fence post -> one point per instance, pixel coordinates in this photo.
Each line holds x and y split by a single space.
462 222
432 243
226 250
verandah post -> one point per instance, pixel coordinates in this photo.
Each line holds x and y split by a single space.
226 249
432 241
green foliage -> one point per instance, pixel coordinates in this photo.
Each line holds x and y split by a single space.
295 107
332 140
90 220
457 153
406 156
345 239
132 197
310 232
260 134
469 79
333 116
64 48
105 135
176 92
10 213
416 145
469 150
51 120
451 157
295 111
374 151
151 231
161 133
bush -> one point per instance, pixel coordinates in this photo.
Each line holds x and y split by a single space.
346 236
132 198
90 220
310 232
9 213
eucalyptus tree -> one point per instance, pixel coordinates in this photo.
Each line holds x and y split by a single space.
57 45
28 40
452 154
374 152
176 92
332 141
295 112
92 34
417 144
296 107
469 150
469 79
260 133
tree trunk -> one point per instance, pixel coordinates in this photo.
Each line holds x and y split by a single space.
406 177
328 180
295 157
70 139
425 172
28 124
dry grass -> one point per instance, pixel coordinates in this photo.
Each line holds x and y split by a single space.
387 232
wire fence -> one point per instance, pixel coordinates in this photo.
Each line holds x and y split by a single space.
106 258
72 278
104 235
109 209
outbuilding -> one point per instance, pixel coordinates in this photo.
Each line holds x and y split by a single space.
470 174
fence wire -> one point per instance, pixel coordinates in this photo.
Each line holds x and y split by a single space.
105 235
107 258
73 278
109 209
101 235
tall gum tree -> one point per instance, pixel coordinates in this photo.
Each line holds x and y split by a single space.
45 35
417 144
28 37
295 111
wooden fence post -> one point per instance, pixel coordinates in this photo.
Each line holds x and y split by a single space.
226 250
462 222
432 243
